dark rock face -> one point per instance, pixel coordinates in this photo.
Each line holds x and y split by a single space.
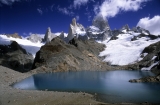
15 35
151 37
77 55
115 33
15 57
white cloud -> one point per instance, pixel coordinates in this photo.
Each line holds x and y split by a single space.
80 2
7 2
65 11
40 10
110 8
151 24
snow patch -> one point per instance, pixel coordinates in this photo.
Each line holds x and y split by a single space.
123 51
150 67
154 58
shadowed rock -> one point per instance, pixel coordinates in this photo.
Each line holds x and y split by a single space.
15 57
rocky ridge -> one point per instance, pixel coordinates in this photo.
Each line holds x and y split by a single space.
75 55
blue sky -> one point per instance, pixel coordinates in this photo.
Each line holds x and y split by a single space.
35 16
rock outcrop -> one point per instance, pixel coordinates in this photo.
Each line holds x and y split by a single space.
147 79
15 57
77 55
34 38
49 35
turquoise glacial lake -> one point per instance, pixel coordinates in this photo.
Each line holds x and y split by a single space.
109 86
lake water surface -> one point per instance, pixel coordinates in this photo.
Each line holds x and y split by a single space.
110 86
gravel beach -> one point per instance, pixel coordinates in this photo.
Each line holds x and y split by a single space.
11 96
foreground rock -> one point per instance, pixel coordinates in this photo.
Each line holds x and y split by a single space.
147 79
15 57
77 55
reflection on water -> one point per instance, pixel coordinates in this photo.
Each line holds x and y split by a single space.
110 86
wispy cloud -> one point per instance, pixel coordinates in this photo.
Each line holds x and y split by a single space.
51 7
65 11
40 11
151 24
8 2
78 3
110 8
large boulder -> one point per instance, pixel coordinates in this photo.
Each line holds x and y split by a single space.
15 57
76 55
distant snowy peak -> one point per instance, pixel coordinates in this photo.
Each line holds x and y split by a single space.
100 22
75 29
29 46
93 29
125 29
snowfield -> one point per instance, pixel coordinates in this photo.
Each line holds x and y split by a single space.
123 51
